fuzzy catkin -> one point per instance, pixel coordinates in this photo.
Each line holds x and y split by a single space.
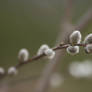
73 50
75 37
23 55
88 39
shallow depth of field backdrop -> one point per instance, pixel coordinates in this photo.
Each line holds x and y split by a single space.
29 24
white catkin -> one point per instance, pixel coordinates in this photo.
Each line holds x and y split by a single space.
23 55
75 37
88 39
12 71
72 50
88 48
50 53
42 49
2 71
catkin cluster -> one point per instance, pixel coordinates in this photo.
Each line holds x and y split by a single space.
75 39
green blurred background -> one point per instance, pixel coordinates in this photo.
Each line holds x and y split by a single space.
31 23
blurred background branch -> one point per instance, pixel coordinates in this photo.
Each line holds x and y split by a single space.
67 27
84 20
43 83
